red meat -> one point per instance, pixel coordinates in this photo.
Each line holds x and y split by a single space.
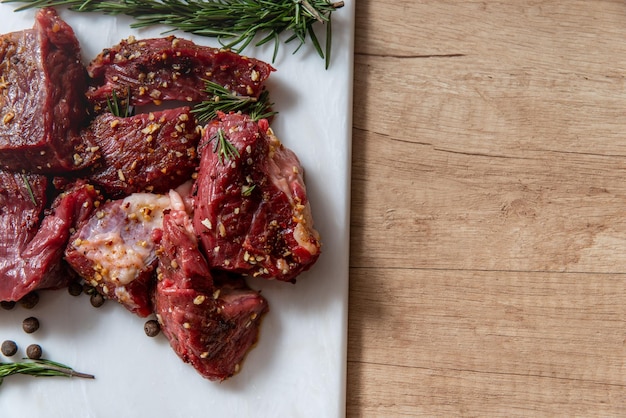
31 249
171 68
42 99
211 324
152 152
251 208
115 250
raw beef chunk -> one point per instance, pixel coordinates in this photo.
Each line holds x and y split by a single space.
152 152
115 250
251 209
31 251
42 98
160 69
209 324
20 216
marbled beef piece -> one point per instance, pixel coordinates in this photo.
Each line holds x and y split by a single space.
211 324
31 249
152 152
115 250
170 68
42 98
251 209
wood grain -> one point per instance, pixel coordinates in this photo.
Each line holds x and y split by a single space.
488 243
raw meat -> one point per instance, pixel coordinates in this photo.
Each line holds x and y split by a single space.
209 324
42 99
115 250
152 152
251 209
31 249
171 68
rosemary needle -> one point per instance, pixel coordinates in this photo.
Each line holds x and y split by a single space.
236 23
29 189
40 368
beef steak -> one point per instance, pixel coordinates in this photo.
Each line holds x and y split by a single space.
42 98
31 249
163 69
152 152
115 250
251 209
211 324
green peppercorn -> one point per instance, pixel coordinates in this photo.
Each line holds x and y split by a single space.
9 348
152 328
33 351
30 325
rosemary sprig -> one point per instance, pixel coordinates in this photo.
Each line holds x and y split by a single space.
39 368
223 100
224 149
235 23
118 106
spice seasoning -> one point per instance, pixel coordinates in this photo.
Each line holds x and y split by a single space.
30 300
75 289
96 299
30 325
33 351
152 328
9 348
7 305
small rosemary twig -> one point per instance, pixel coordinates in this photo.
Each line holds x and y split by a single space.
225 150
115 103
40 368
223 100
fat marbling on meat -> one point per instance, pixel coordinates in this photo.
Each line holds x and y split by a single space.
115 250
251 209
42 98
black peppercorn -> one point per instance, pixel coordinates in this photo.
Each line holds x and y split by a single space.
97 300
30 300
152 328
33 351
75 288
88 289
7 305
30 325
9 348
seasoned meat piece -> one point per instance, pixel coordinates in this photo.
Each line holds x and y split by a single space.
170 68
210 324
42 98
251 209
115 250
152 152
31 251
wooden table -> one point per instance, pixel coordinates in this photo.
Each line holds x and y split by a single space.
488 232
